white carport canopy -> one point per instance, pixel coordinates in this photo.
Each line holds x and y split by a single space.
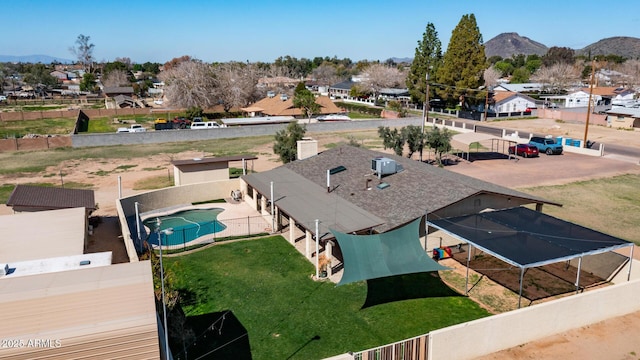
475 137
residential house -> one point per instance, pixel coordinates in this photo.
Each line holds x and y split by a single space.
60 75
519 88
283 106
508 102
341 90
623 117
599 96
112 92
362 200
278 82
64 303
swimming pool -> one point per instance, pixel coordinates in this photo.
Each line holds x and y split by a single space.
187 226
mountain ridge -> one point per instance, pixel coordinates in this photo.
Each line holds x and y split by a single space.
508 44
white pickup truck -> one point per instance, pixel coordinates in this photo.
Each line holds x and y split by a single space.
131 129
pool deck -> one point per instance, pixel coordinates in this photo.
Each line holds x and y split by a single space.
230 217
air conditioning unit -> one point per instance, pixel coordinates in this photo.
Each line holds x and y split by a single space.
385 166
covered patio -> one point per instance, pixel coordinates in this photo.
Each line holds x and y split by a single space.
527 239
468 140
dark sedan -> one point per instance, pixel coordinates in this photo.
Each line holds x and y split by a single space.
524 150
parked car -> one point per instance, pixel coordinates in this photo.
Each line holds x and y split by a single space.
546 145
524 150
204 125
3 98
131 129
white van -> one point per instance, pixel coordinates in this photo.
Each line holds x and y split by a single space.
205 125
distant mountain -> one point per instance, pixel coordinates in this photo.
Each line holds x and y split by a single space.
627 47
507 44
404 60
34 59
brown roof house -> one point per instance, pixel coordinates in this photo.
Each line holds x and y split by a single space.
283 106
38 198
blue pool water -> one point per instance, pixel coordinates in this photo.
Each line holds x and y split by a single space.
187 225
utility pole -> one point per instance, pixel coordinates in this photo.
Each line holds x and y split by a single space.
586 123
425 110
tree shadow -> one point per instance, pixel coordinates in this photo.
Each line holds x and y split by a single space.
487 155
218 335
405 287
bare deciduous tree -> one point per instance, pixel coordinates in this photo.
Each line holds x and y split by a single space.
116 78
236 84
491 76
189 84
83 52
325 74
557 77
378 76
631 71
125 60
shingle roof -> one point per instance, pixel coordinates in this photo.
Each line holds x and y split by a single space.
345 85
419 189
306 201
49 198
275 106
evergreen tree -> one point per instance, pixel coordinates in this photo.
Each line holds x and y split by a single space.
464 62
286 141
427 58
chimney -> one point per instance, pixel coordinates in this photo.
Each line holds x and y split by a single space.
307 147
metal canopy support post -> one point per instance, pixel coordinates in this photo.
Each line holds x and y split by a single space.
273 213
630 261
138 220
578 274
317 251
520 293
426 230
466 283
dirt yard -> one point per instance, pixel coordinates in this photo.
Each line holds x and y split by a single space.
599 341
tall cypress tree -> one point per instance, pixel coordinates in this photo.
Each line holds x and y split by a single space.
464 62
427 58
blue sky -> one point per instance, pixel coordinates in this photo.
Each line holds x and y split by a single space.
224 30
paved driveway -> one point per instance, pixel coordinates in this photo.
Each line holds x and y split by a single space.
544 170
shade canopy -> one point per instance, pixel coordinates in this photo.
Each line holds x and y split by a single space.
526 238
396 252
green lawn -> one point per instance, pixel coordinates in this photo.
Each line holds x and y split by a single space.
266 285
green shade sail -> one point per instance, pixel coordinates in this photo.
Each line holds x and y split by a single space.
396 252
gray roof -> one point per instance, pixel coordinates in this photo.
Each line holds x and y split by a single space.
306 201
27 197
210 160
633 112
345 85
526 87
419 189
